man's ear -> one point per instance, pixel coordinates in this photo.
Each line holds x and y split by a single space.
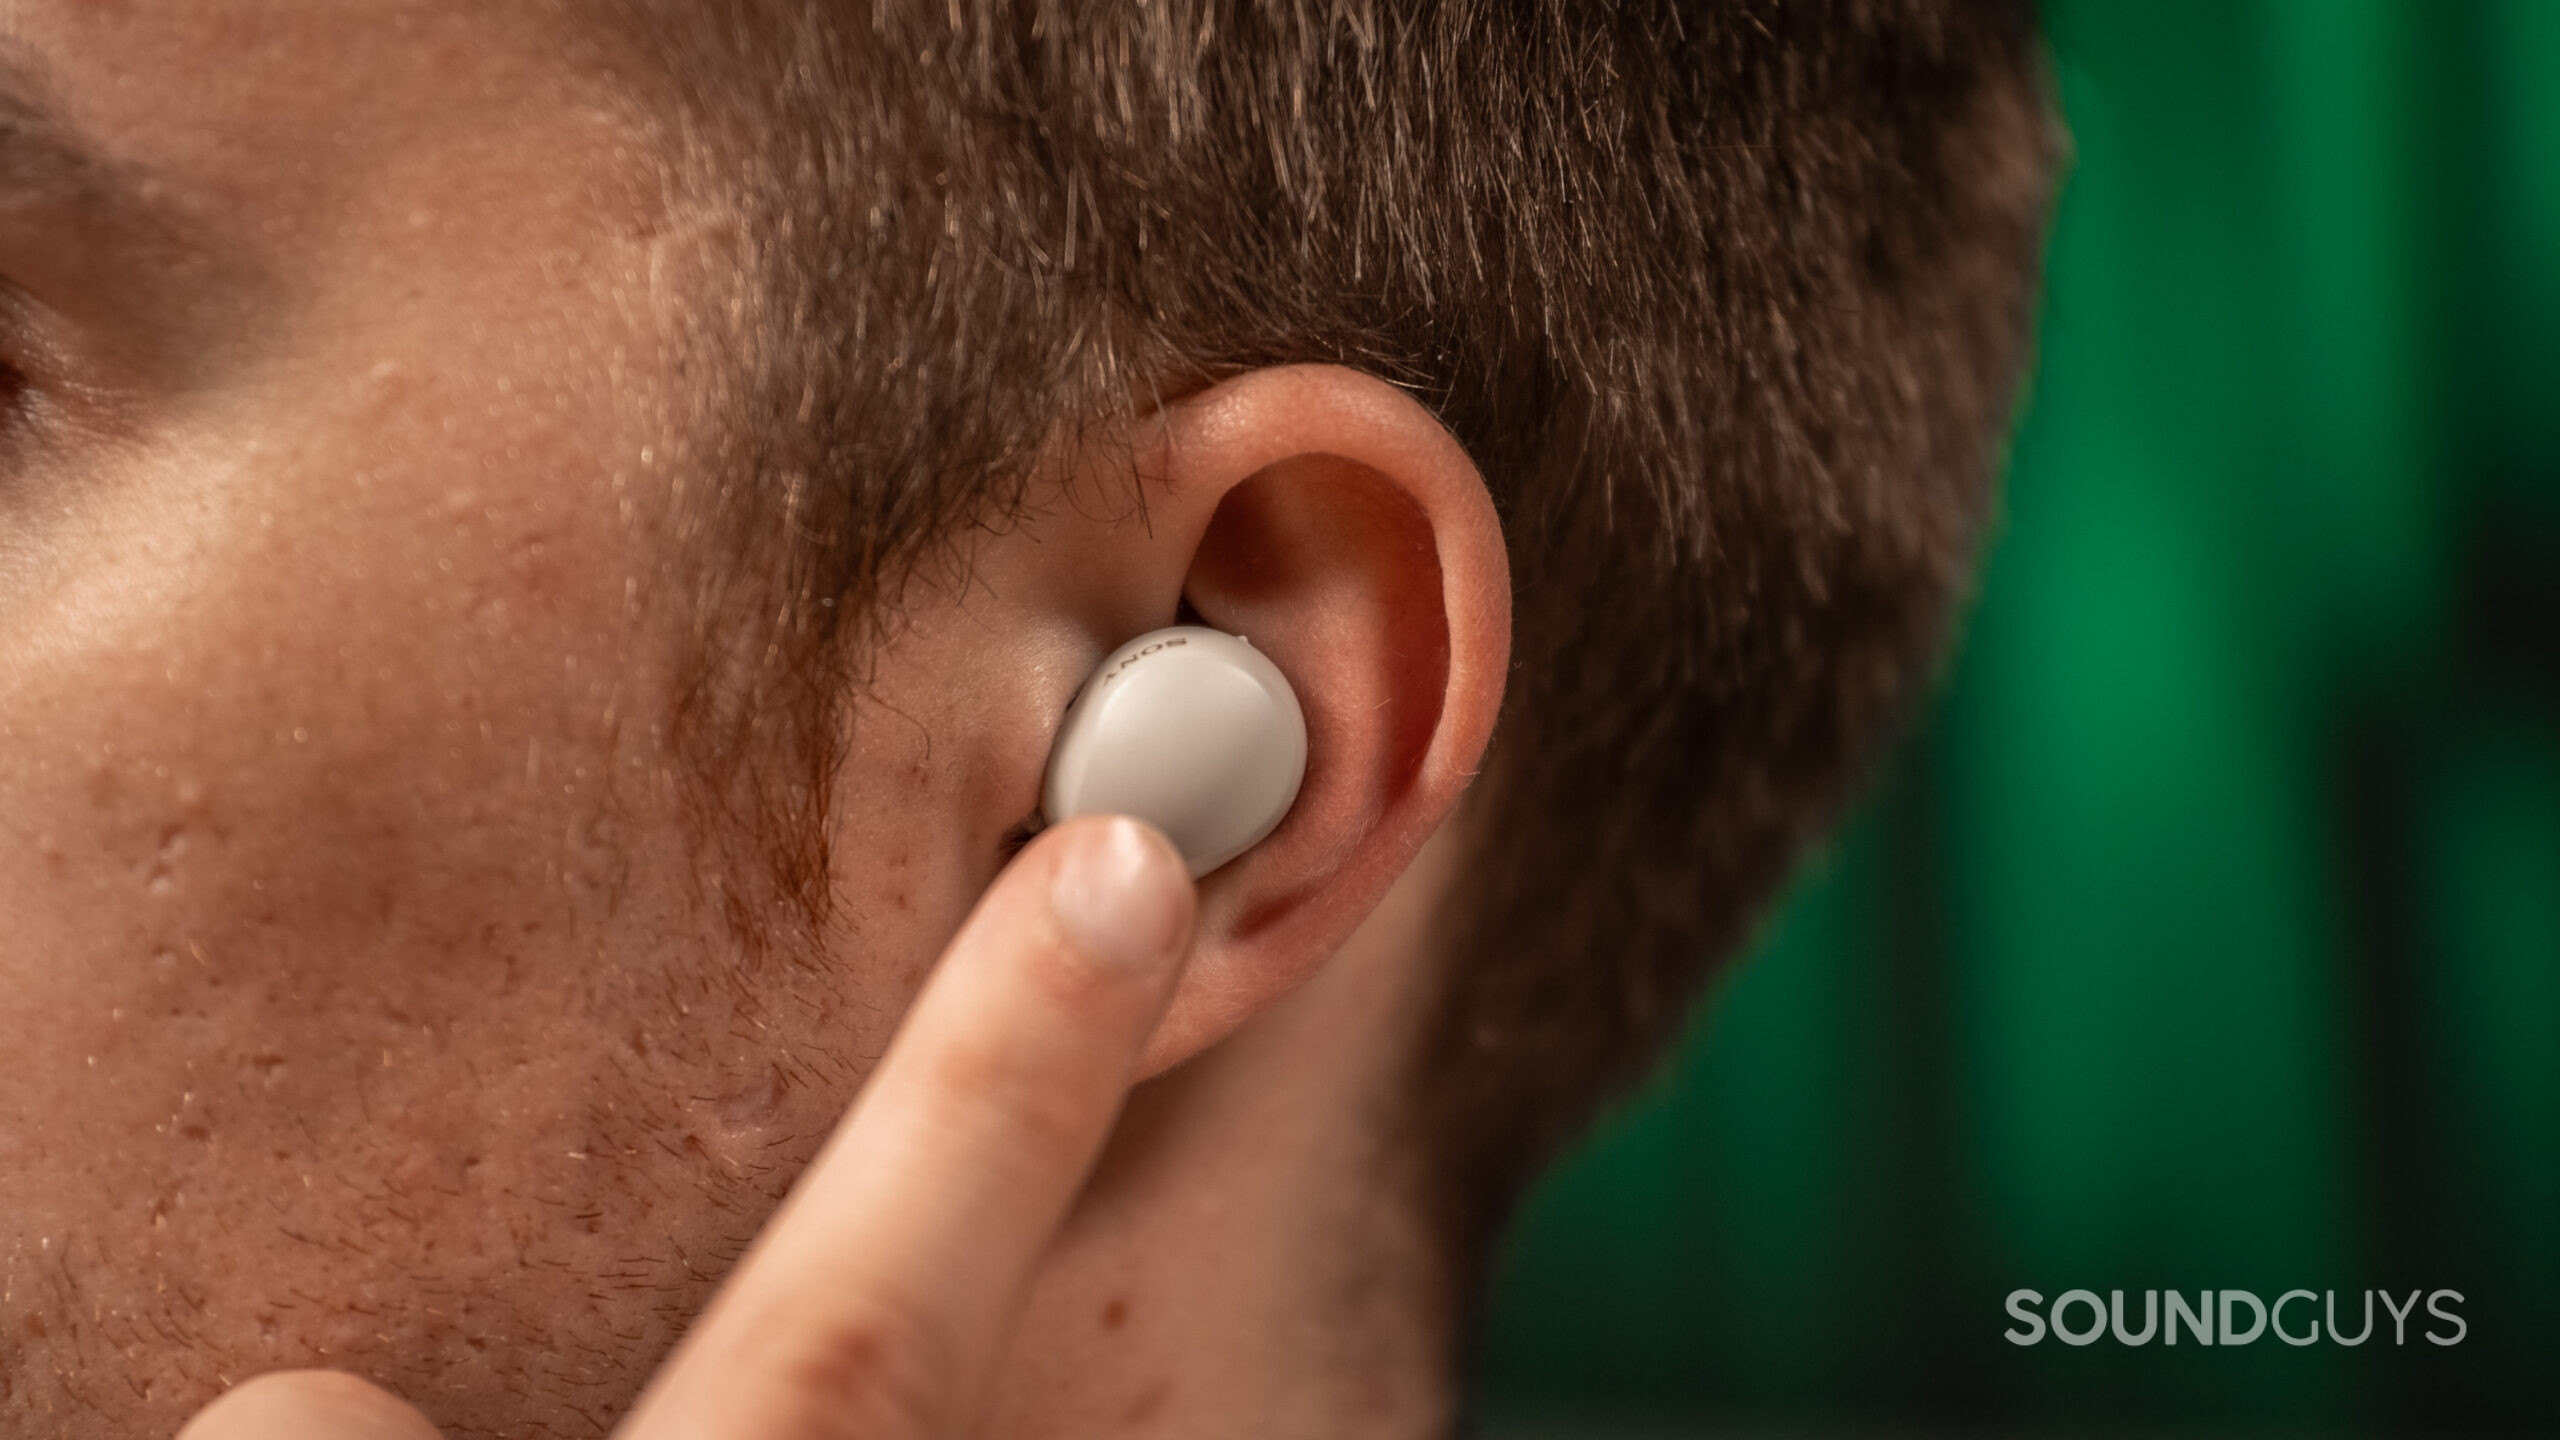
1328 517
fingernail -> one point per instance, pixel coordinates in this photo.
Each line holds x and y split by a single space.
1119 894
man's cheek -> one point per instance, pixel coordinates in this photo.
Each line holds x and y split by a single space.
286 781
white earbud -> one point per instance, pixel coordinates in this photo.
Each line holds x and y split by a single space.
1191 730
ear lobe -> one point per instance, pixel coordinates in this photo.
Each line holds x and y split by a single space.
1351 539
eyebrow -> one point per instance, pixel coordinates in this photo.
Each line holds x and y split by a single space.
39 149
116 216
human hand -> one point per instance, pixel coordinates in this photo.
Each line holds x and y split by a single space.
880 1298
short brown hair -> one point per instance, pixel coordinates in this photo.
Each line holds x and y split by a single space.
1727 300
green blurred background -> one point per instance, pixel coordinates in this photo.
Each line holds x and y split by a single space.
2208 936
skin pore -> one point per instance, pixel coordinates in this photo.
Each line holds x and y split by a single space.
365 1004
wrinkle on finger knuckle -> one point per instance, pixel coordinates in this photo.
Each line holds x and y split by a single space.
999 1090
856 1372
1078 984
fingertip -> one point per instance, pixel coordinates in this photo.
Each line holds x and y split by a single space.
1121 892
308 1405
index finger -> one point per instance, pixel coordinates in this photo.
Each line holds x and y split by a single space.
880 1296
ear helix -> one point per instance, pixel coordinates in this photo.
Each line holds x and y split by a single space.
1189 729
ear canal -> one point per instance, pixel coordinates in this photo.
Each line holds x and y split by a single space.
1189 729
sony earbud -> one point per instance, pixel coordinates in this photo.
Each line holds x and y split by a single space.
1189 729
